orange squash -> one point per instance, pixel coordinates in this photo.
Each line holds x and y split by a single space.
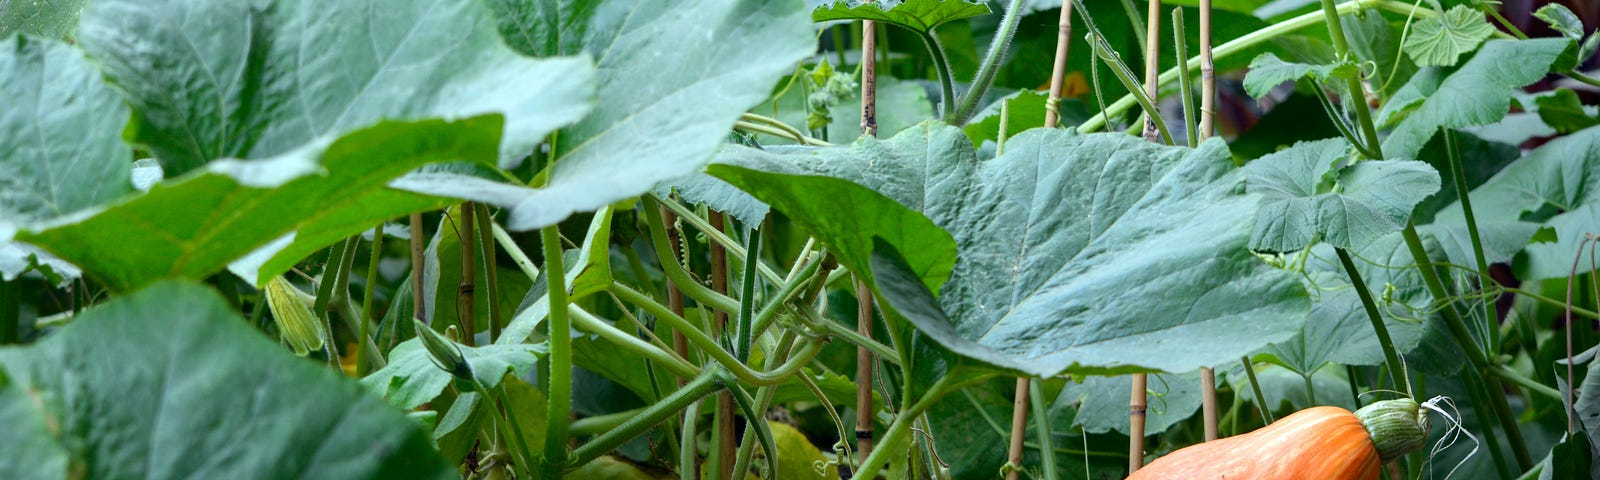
1318 443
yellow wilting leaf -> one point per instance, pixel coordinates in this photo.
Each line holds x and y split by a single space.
297 326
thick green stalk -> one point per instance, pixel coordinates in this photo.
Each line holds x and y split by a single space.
1341 49
1255 387
1185 82
707 383
1042 429
1125 75
946 84
1384 341
560 359
747 292
688 458
364 358
991 65
1462 192
764 394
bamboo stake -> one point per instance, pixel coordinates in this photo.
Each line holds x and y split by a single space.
1208 116
864 358
1052 119
1152 83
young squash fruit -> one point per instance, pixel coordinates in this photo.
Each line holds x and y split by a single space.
1324 443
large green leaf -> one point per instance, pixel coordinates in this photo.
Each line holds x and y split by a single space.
46 18
1478 93
1440 40
1267 71
1552 185
194 226
918 15
170 383
675 77
1103 406
214 80
1305 198
413 378
252 79
61 147
1074 250
1563 111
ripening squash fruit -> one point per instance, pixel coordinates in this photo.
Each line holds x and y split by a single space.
1322 443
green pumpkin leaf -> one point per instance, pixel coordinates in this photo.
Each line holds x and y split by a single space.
1478 93
210 80
61 148
413 378
263 158
1103 406
196 225
61 131
1268 71
169 382
1547 186
1440 40
917 15
1368 199
45 18
1063 243
676 77
1563 111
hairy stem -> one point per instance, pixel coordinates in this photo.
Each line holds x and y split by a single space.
560 359
991 64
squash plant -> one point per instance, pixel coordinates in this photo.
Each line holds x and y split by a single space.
618 239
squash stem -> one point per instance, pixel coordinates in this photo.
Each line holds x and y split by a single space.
560 382
1382 331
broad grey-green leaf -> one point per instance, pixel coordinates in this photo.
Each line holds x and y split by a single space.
1268 71
1563 111
1553 185
1075 251
1103 403
45 18
194 226
1476 94
1440 40
169 382
61 147
703 189
1366 200
675 76
260 78
1561 20
412 378
918 15
30 438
